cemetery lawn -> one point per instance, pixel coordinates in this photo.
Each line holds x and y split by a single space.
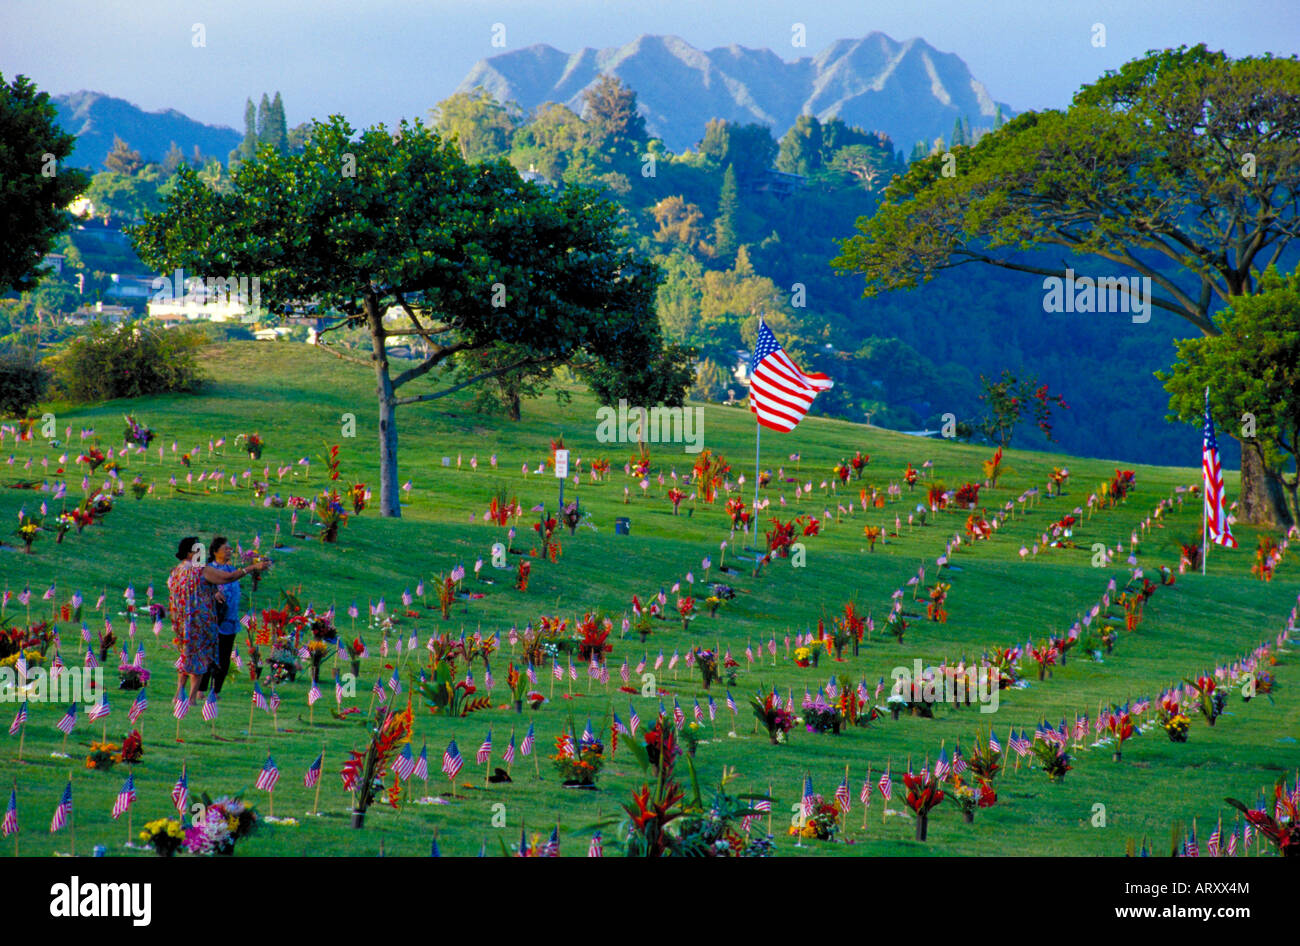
295 396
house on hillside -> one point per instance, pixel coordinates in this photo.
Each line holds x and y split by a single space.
100 313
779 183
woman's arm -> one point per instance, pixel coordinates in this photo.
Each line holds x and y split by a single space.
216 576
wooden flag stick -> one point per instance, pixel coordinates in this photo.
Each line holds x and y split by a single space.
315 805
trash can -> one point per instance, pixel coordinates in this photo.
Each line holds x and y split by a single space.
622 525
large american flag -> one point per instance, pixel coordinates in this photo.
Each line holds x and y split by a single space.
1216 516
779 392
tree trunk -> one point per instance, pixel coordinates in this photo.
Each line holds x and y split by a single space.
513 404
389 492
1262 501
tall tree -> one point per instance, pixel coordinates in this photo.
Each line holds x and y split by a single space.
726 237
475 258
750 149
277 129
1183 167
123 159
800 151
263 120
611 107
481 125
35 188
1252 370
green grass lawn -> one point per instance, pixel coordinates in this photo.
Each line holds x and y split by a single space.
295 397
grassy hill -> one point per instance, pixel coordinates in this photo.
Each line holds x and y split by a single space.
295 398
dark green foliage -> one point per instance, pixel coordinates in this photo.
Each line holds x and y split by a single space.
127 361
23 383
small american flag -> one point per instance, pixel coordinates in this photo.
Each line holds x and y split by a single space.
181 792
10 825
313 772
886 785
313 694
595 848
1212 845
993 742
64 811
19 718
484 754
1193 849
395 683
1019 744
780 394
140 704
259 698
451 760
68 721
422 763
269 775
210 708
731 702
633 719
809 800
404 764
181 706
510 750
842 795
338 688
125 797
698 712
552 847
624 672
274 701
941 766
864 795
679 717
526 747
557 671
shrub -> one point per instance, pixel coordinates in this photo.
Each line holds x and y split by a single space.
23 382
131 360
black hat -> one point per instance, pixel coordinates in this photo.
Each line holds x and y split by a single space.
186 548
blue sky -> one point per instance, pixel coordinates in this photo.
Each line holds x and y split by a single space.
381 60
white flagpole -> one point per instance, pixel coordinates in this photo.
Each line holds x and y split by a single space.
1205 491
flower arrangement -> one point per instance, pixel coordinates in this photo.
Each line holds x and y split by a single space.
780 537
937 496
675 496
103 755
707 661
132 677
738 512
967 495
872 534
841 471
578 765
909 477
1211 699
993 468
923 795
1052 759
133 748
935 610
660 747
896 625
521 575
29 528
859 462
1176 726
594 631
571 515
803 656
328 508
137 433
1266 557
1045 656
985 762
364 771
686 610
819 716
1281 826
253 444
776 719
93 458
358 493
165 836
708 474
819 823
599 469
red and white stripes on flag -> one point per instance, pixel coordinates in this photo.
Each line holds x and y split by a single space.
1216 516
780 393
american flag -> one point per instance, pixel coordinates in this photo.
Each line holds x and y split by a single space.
941 766
864 796
1216 516
10 825
565 749
1019 744
259 698
422 763
1232 843
780 394
19 718
809 800
679 717
698 712
181 792
556 670
713 709
338 688
623 671
886 785
313 772
395 683
526 747
1212 845
274 701
731 702
181 706
510 750
451 760
64 811
993 742
764 804
552 847
484 753
1193 849
269 775
595 849
404 764
68 721
210 708
958 761
125 797
633 719
138 707
842 795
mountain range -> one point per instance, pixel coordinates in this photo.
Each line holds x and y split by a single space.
908 90
95 118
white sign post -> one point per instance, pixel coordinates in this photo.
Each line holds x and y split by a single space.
561 472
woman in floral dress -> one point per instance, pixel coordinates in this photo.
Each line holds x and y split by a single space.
192 589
